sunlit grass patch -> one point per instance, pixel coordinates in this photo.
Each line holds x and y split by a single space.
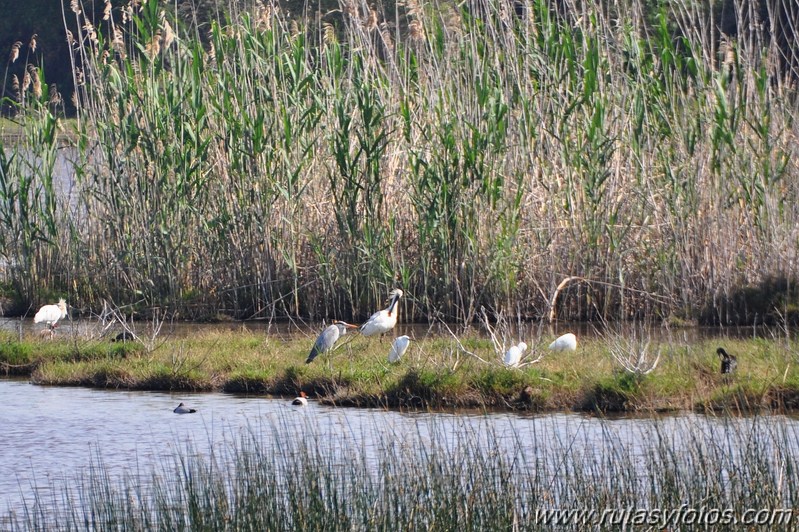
435 372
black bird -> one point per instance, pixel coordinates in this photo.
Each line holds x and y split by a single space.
124 336
728 361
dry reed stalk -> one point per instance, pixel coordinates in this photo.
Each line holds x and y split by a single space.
554 299
629 224
35 81
14 55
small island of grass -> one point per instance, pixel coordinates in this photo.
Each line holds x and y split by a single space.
435 372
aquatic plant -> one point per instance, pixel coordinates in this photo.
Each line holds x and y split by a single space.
472 154
467 477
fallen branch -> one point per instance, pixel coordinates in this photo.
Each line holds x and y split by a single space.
460 345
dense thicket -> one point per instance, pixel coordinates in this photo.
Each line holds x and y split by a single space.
475 155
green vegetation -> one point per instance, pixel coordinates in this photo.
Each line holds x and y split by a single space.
435 373
471 154
707 478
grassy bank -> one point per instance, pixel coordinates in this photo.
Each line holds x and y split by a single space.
435 373
471 154
714 477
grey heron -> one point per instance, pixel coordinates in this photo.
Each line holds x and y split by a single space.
328 338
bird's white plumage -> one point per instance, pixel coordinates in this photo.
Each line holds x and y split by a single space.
183 409
398 348
384 320
50 314
514 355
301 400
567 342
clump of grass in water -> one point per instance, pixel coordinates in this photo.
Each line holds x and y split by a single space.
459 478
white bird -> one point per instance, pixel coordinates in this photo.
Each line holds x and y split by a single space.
398 348
384 320
567 342
183 409
50 314
328 338
302 400
514 355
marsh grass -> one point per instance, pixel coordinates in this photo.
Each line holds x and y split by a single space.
471 154
475 478
434 373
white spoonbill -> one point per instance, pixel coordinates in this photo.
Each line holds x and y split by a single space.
183 409
301 400
567 342
50 314
328 338
398 348
514 355
384 320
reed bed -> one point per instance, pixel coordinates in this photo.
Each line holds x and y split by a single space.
473 154
480 479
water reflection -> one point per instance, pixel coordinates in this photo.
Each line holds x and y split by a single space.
289 329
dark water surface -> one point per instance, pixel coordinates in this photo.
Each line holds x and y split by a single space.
287 329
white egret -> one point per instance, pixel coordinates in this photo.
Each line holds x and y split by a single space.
514 355
567 342
728 362
50 314
328 338
398 348
384 320
183 409
302 400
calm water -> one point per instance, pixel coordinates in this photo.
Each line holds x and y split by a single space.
52 436
92 328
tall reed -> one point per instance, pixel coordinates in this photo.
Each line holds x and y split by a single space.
469 479
474 154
